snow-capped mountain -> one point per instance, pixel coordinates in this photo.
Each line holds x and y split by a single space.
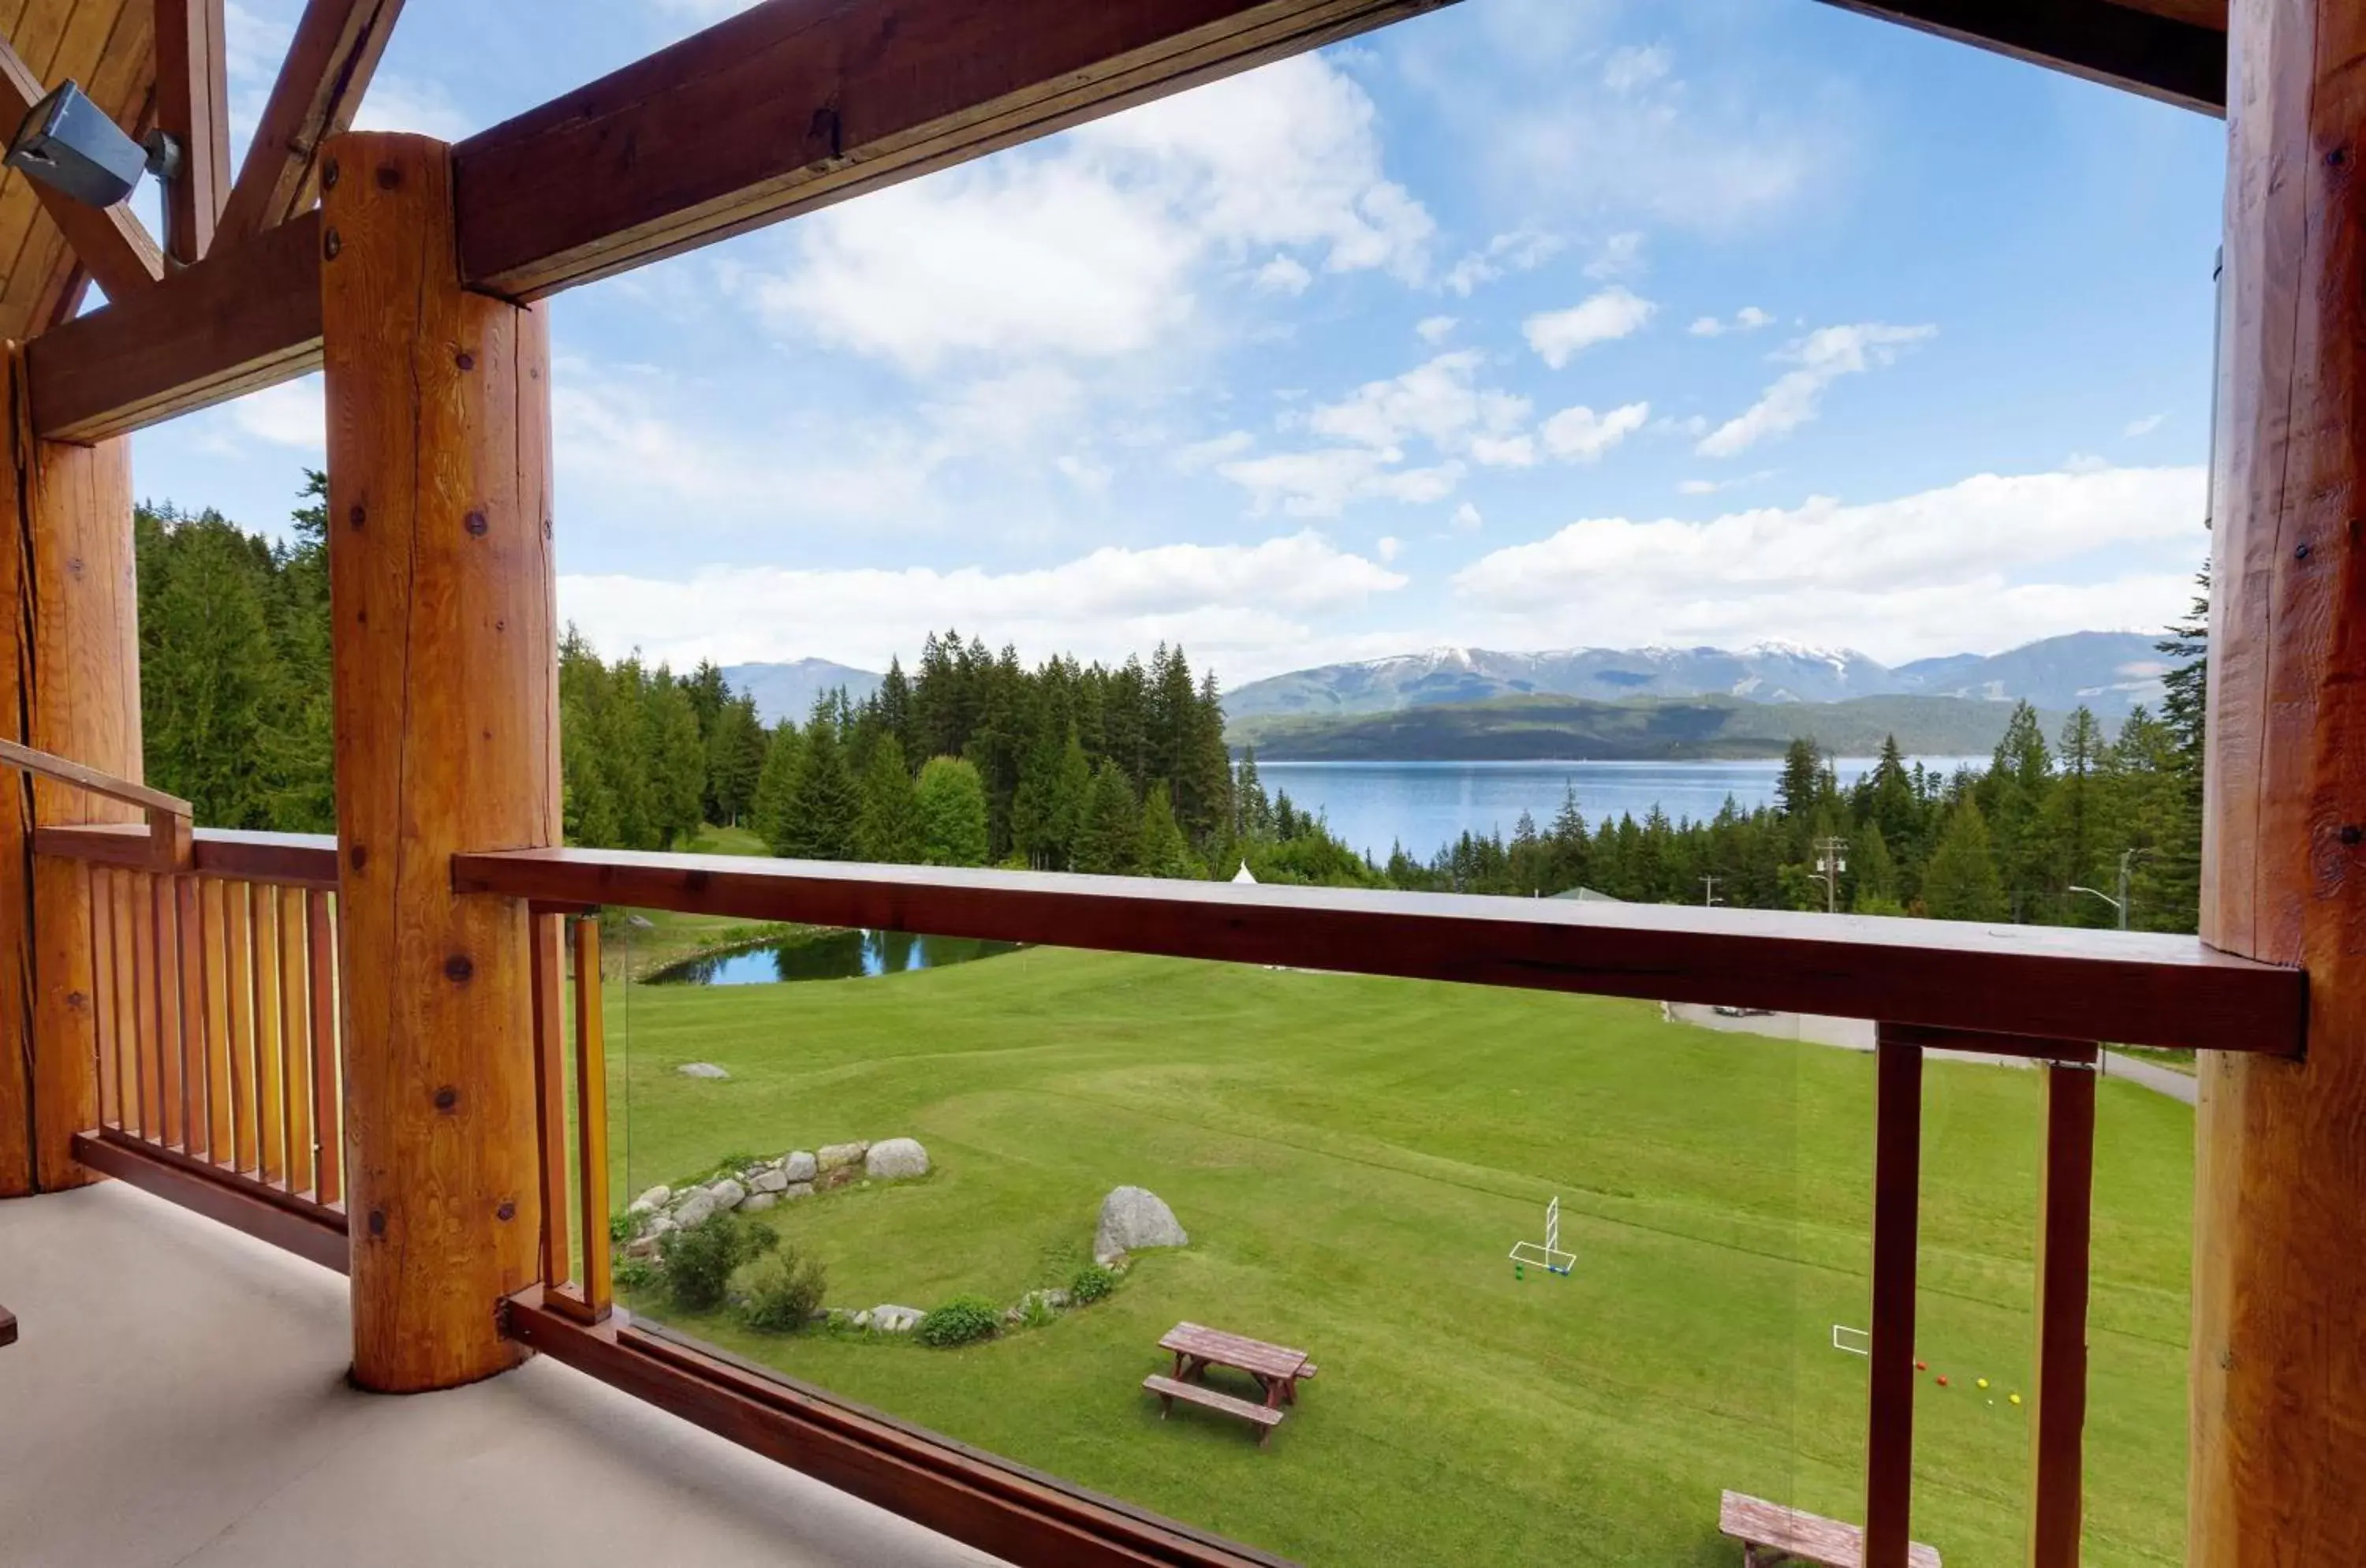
2109 672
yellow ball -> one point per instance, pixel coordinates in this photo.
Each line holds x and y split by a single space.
1984 1382
2016 1398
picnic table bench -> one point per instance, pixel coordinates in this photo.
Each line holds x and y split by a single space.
1771 1533
1278 1370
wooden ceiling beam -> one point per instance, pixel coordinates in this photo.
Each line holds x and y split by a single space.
109 242
2162 48
795 104
232 325
329 66
192 107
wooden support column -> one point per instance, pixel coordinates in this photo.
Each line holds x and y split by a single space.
2065 1186
1897 1224
70 685
2279 1380
442 591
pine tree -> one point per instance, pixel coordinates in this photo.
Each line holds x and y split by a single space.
735 759
776 786
889 831
208 671
1164 852
1962 882
674 759
951 802
823 806
1109 839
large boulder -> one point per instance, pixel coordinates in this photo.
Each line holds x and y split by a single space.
654 1199
837 1154
728 1193
694 1209
799 1166
768 1179
700 1070
1133 1218
798 1189
758 1201
895 1319
896 1159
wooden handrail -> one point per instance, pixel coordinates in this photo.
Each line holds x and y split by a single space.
166 842
296 860
2047 982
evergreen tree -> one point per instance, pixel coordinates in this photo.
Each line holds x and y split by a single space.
208 671
823 806
674 757
1109 839
952 801
776 786
889 830
1962 882
1163 851
735 759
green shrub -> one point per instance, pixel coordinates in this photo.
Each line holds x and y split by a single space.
961 1321
1091 1283
622 1228
784 1289
636 1274
700 1259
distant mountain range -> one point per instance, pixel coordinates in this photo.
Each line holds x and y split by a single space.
788 690
2109 672
1637 730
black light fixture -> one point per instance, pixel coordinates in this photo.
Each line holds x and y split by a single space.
70 144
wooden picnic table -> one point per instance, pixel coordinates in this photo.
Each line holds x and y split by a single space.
1771 1533
1277 1368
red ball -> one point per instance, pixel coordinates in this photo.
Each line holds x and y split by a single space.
1942 1379
1921 1366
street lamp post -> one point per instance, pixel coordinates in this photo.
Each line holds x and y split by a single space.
2119 904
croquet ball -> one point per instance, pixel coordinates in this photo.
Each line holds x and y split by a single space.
1984 1382
1921 1366
1942 1379
2015 1398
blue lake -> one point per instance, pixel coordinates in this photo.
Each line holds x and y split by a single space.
1426 806
829 955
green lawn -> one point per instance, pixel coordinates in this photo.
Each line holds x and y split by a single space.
1352 1158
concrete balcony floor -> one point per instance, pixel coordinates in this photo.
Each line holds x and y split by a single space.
178 1398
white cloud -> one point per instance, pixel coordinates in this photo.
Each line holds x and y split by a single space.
1986 563
1631 67
1823 356
1748 319
1439 401
2085 463
1091 477
1228 602
1621 256
1435 329
1322 483
1466 519
292 413
1523 250
1711 487
1580 435
1558 336
1283 274
400 102
2143 426
1198 454
1093 245
1388 548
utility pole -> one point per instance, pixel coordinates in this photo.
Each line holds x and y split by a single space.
1831 863
2120 904
1709 900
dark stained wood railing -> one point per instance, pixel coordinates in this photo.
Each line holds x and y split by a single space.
2046 995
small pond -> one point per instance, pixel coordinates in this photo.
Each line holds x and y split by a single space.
828 955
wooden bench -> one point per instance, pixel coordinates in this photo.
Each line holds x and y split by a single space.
1168 1389
1771 1533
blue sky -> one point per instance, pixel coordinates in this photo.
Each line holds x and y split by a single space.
1530 323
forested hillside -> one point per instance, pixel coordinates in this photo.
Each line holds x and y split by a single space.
972 758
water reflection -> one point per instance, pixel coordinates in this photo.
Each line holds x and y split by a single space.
828 955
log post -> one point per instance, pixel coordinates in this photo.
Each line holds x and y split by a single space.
2279 1379
69 686
446 655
